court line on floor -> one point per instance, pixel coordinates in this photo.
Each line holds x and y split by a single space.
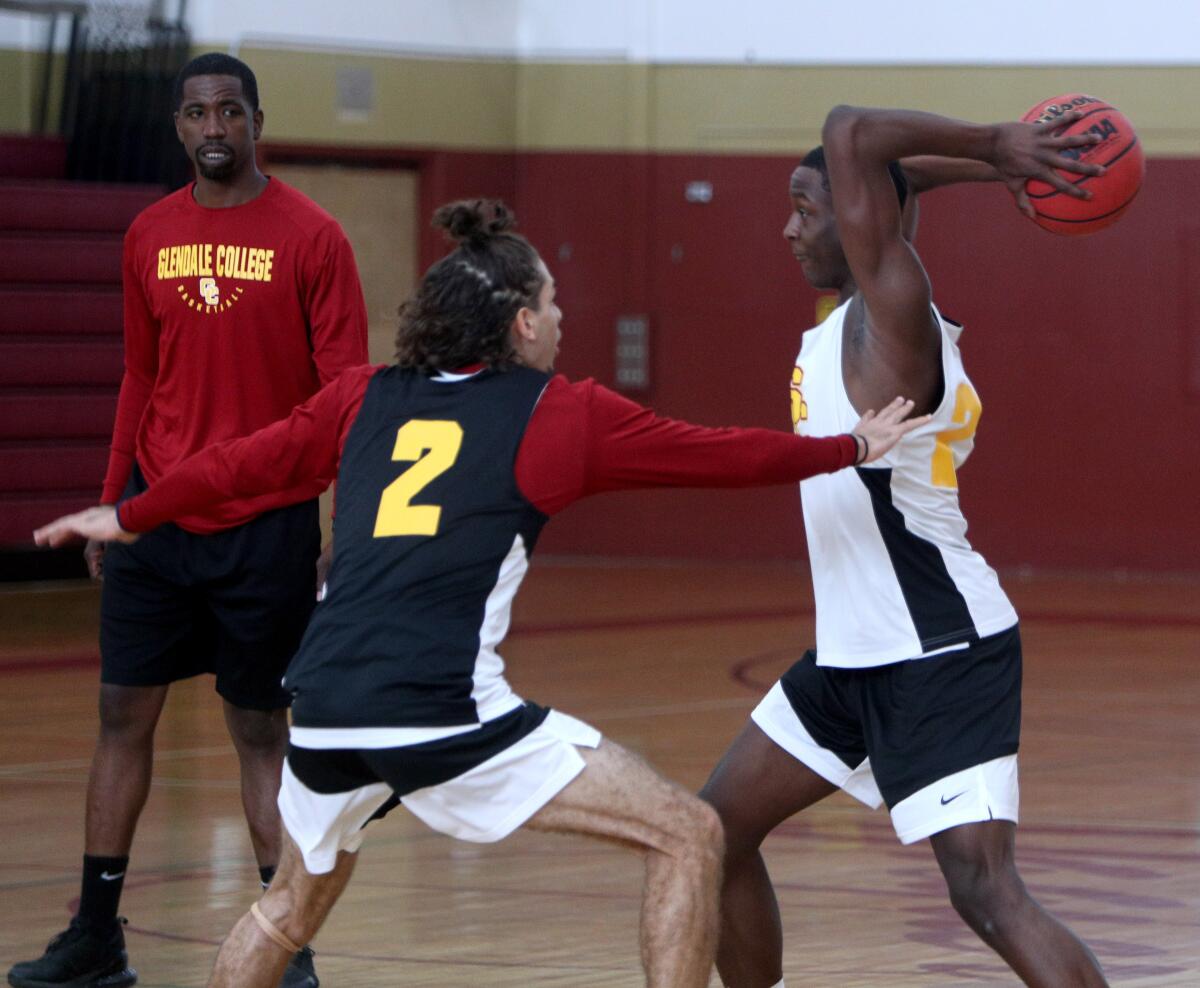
649 622
66 764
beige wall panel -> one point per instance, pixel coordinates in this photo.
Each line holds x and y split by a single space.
487 105
378 210
602 107
418 102
17 69
761 108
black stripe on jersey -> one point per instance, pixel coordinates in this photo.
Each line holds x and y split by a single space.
939 611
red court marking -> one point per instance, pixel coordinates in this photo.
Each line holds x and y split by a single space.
48 665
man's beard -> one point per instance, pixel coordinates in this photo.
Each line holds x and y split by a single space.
215 172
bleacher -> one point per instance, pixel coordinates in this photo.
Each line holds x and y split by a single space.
60 333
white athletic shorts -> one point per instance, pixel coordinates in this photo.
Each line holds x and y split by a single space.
484 804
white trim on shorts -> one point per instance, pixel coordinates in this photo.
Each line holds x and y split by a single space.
482 805
988 791
324 738
774 714
322 824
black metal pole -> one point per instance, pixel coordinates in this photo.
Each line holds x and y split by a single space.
47 74
70 96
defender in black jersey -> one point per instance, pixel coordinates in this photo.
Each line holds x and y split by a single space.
912 696
448 465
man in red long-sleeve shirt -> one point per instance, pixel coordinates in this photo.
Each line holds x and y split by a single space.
448 466
241 300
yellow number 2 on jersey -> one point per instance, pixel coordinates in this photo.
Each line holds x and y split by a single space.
967 407
434 445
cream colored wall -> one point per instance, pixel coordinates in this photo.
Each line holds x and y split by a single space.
710 108
503 104
17 75
585 107
681 108
418 102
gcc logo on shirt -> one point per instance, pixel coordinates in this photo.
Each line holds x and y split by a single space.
209 291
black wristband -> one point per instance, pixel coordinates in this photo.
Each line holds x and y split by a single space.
866 448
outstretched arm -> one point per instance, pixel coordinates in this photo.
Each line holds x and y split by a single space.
584 439
301 449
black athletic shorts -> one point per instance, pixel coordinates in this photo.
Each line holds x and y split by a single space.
918 721
235 603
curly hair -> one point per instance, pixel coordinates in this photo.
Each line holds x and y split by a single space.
464 307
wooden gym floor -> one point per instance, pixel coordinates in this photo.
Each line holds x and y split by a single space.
668 660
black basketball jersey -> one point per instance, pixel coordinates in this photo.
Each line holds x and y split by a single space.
432 539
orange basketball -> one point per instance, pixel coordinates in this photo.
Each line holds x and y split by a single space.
1119 151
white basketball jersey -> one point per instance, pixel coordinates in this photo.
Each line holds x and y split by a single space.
893 574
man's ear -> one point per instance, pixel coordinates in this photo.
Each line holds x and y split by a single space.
523 325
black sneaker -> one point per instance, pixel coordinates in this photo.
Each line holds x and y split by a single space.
79 957
299 972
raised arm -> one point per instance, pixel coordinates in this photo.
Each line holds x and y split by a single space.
897 348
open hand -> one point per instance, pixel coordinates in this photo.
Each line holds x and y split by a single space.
99 524
1037 150
878 433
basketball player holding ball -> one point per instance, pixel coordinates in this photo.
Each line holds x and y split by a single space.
912 694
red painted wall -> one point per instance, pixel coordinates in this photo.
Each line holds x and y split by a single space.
1086 352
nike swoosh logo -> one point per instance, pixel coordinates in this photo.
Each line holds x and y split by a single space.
106 877
953 798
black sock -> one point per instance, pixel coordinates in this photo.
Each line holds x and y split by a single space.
100 896
265 874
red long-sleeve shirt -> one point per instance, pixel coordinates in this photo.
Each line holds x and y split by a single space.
232 318
581 439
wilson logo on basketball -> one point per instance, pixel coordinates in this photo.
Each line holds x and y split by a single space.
1055 110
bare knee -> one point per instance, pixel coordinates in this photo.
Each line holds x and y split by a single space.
128 714
700 833
986 899
287 907
297 901
282 909
261 732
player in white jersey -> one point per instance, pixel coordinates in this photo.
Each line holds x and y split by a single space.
912 695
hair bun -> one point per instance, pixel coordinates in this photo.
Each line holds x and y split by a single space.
474 221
